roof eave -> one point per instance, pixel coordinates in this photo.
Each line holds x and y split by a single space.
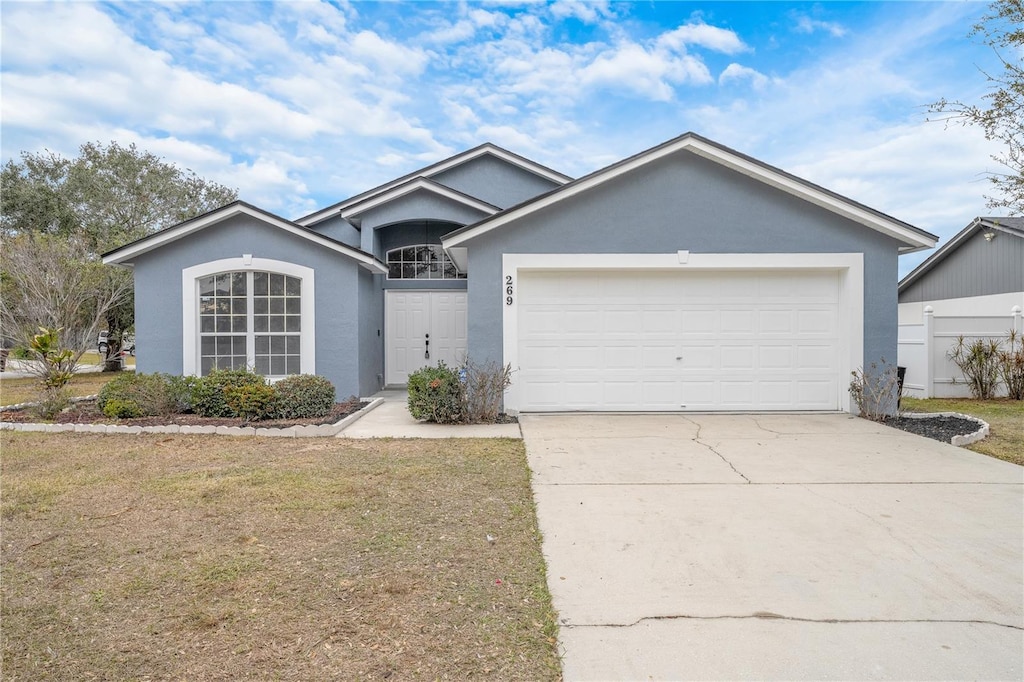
912 238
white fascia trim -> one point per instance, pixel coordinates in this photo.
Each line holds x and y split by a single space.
418 184
850 267
940 255
245 263
174 233
911 238
438 168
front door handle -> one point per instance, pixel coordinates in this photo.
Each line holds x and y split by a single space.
426 346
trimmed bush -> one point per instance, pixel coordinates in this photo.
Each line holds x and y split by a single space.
118 408
150 394
437 395
303 396
208 392
252 402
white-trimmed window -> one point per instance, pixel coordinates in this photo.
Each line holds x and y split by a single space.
248 312
421 261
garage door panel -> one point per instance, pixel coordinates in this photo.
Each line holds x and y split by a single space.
678 341
695 322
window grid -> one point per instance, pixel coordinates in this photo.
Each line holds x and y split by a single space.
423 261
250 319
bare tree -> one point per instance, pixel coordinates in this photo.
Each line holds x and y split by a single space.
1000 115
54 282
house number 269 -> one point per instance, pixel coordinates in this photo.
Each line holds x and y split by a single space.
509 290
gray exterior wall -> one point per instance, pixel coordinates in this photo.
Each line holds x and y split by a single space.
683 203
495 181
371 334
158 315
975 268
339 229
412 207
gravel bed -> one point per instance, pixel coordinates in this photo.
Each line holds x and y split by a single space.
939 427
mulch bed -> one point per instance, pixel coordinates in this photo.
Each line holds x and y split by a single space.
939 427
87 413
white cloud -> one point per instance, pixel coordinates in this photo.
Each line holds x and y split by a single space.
737 72
805 24
587 11
703 35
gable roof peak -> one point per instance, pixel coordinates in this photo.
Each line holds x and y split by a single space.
911 238
486 148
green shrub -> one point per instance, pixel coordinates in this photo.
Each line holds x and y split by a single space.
118 408
208 392
252 402
1011 365
179 392
980 363
151 395
303 396
437 395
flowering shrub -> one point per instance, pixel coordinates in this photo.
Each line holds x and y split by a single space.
437 395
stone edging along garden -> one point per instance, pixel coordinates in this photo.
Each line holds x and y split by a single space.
321 431
959 441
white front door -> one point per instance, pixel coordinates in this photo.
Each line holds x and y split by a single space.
422 328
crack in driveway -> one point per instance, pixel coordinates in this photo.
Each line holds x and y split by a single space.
698 441
768 615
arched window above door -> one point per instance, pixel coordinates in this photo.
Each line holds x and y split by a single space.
421 261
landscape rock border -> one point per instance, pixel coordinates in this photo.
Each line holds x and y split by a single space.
322 431
959 441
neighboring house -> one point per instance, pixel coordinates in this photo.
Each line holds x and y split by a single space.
973 287
686 277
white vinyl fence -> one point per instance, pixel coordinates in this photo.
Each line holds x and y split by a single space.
923 349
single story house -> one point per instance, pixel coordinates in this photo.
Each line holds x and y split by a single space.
973 286
687 277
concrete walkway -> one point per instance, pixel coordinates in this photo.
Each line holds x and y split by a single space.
391 419
805 547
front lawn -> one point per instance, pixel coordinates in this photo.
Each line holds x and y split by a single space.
15 391
198 557
1005 419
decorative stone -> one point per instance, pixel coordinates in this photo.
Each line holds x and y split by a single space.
190 428
236 431
277 433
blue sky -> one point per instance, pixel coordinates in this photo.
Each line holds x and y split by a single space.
301 104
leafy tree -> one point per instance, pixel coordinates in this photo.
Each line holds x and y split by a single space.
1001 113
108 196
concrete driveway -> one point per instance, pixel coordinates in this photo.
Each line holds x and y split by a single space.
776 547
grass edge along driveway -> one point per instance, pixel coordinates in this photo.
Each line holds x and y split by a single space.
175 556
1004 417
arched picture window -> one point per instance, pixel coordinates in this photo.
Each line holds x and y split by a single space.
422 261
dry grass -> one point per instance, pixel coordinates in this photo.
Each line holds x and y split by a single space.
1005 419
14 391
190 557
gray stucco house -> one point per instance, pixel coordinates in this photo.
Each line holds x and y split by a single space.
686 277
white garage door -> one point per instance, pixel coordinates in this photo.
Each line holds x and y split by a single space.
667 341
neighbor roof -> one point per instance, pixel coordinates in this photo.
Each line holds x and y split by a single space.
126 254
912 238
486 149
1012 226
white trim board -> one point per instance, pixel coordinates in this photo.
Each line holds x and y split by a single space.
125 254
422 185
441 166
245 263
850 267
912 239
